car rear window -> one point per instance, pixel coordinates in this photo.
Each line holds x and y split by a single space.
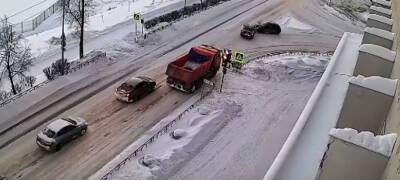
49 133
70 121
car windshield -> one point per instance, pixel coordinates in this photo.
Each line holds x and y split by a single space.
70 121
49 133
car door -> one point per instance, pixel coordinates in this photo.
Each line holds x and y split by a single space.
141 89
66 134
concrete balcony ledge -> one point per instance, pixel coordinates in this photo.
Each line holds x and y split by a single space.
382 3
380 22
374 60
381 11
356 156
378 37
301 155
367 103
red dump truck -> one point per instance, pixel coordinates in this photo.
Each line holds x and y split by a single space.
188 71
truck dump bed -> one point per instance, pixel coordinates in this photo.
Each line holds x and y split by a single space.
192 66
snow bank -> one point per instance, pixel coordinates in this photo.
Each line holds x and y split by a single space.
377 83
382 143
380 33
379 51
290 22
160 158
383 2
382 10
381 19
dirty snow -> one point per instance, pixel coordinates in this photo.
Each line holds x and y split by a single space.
378 51
377 83
381 143
381 33
381 19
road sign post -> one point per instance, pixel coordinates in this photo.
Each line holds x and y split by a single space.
136 19
239 60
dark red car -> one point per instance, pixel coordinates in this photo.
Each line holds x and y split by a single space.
135 88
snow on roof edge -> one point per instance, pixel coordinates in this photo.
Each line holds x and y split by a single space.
382 10
376 83
382 144
379 51
380 32
381 19
382 2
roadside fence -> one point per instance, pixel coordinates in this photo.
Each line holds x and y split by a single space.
32 24
163 130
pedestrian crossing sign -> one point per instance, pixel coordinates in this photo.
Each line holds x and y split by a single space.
136 17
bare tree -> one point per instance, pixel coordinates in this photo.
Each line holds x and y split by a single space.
15 56
76 15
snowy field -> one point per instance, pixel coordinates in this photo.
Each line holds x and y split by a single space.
213 140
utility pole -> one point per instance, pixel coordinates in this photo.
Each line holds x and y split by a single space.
63 43
82 26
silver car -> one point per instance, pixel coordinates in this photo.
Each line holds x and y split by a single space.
60 132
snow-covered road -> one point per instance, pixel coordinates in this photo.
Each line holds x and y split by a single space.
107 117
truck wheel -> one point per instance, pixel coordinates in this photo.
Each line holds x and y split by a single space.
213 73
193 89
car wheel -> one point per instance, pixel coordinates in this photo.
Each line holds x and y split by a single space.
58 147
83 132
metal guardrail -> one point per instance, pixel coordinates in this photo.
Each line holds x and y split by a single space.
162 131
79 66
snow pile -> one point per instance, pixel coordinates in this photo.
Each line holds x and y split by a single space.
381 33
290 22
297 67
377 83
160 158
382 10
382 143
378 51
383 2
381 19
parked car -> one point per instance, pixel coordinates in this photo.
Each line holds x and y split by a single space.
60 132
135 88
248 31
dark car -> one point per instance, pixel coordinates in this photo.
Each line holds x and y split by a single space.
248 32
268 28
60 132
135 88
